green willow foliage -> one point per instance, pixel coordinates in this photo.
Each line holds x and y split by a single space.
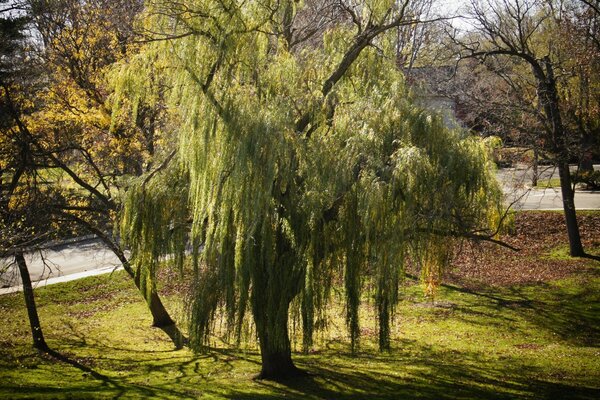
372 183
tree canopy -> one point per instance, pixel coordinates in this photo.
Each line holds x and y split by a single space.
297 165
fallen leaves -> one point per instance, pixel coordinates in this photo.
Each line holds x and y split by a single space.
543 241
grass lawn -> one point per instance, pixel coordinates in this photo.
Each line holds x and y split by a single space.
485 336
548 183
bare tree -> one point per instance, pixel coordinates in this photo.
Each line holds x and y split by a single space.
509 29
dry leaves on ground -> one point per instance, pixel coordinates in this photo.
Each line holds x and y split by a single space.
543 243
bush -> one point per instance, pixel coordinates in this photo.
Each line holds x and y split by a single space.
590 178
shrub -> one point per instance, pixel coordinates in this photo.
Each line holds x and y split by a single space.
590 178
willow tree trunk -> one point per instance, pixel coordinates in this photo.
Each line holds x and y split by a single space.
275 348
276 282
34 320
160 315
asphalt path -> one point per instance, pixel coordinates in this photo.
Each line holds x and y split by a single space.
516 184
60 263
90 257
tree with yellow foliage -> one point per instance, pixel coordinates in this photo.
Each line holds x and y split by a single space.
90 156
23 218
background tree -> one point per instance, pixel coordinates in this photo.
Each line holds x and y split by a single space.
493 99
518 29
86 156
575 40
23 221
299 164
83 40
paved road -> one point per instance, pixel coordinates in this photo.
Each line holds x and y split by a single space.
516 183
61 264
551 199
90 257
521 175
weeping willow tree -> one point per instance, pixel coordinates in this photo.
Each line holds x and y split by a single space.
301 161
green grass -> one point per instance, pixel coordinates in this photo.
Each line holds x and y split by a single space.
562 252
521 342
548 183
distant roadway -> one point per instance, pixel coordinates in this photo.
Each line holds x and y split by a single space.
516 184
60 264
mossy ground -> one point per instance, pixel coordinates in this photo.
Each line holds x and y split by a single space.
508 341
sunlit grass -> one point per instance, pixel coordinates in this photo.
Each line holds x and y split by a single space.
562 252
548 183
535 341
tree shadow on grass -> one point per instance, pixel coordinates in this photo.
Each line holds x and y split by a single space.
573 317
18 388
412 371
591 257
93 385
429 376
570 313
86 370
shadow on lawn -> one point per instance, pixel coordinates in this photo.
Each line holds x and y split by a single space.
428 376
419 372
86 370
571 314
90 383
412 371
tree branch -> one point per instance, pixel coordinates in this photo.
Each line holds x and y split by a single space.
162 166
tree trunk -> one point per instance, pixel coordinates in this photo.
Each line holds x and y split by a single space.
160 316
534 178
36 329
384 324
568 195
587 145
276 283
549 100
275 349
